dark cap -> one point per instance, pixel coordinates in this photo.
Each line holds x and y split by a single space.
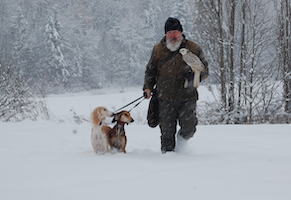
173 24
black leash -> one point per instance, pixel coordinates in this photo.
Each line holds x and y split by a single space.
143 96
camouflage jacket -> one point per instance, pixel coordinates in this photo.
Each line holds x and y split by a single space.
171 76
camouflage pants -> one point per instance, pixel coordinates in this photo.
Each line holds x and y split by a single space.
170 113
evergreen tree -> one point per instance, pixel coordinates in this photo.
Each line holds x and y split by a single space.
20 42
132 33
57 66
152 17
182 11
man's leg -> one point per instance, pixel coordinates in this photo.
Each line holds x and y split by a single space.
187 119
168 123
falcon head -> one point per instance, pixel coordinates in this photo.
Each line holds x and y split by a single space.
183 51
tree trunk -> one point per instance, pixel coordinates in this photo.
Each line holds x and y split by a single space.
231 67
287 57
242 57
221 55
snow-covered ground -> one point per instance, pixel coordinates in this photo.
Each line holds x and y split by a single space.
47 160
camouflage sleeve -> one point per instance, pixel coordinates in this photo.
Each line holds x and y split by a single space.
150 73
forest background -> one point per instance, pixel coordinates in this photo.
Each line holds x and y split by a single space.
52 47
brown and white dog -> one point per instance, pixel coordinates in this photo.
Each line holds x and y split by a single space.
117 137
100 132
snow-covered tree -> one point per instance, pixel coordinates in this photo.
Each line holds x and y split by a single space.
133 34
57 65
17 100
182 11
259 68
210 33
19 33
284 49
240 34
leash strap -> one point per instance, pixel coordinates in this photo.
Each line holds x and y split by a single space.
136 105
143 96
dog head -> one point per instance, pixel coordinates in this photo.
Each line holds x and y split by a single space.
123 116
99 114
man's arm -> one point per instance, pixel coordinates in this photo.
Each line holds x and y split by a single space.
150 75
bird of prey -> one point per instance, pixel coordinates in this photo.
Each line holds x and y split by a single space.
194 62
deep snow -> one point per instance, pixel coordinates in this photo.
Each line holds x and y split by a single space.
51 160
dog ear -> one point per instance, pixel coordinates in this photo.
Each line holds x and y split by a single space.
116 117
95 116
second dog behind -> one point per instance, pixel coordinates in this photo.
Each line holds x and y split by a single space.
117 137
100 132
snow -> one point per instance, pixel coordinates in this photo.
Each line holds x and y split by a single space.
50 160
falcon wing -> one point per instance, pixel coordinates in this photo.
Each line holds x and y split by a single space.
193 61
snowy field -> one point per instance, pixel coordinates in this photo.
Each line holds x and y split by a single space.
49 160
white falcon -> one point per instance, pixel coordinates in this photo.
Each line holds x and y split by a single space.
194 62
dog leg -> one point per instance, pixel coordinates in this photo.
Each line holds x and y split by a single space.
124 144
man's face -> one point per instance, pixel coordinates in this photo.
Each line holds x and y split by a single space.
174 36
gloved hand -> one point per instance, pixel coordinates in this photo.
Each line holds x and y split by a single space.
147 93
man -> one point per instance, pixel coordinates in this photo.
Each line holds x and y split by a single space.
168 73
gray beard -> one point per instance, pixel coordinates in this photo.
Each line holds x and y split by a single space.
173 46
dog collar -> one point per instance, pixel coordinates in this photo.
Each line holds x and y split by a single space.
121 123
